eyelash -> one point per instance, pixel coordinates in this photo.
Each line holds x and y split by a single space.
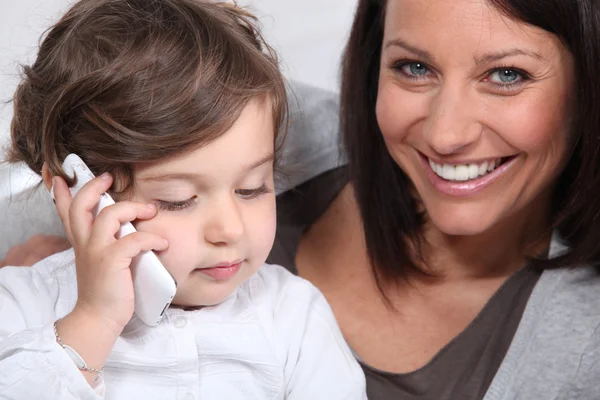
175 205
523 76
246 194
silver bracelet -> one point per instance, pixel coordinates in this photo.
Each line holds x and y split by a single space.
79 362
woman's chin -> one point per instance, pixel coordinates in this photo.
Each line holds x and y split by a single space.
462 224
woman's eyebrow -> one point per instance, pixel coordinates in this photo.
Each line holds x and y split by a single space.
421 54
496 56
479 59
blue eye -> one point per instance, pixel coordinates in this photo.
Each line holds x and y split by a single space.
507 78
506 75
417 68
411 70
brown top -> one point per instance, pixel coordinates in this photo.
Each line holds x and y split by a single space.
465 367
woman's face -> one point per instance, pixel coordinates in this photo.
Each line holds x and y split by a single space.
474 107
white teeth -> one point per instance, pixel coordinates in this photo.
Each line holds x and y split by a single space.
483 168
464 172
461 172
436 168
473 171
448 172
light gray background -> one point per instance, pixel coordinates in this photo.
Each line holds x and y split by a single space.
308 34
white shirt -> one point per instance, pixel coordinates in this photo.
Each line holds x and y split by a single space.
274 338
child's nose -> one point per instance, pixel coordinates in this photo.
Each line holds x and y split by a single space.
225 225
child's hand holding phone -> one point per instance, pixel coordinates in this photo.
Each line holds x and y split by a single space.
104 278
106 298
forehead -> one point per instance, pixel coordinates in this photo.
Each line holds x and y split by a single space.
471 27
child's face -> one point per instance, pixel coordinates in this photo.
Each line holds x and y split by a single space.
216 209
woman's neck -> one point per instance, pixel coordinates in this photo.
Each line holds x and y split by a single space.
336 242
499 251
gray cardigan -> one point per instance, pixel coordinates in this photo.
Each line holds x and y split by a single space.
555 353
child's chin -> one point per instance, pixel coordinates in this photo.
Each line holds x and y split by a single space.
202 297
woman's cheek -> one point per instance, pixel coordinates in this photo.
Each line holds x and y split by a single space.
399 111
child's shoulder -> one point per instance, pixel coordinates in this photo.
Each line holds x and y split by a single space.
276 282
46 290
54 268
278 276
301 329
59 267
282 293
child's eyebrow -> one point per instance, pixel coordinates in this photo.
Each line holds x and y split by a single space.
268 158
191 176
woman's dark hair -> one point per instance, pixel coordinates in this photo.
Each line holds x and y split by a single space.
124 82
392 224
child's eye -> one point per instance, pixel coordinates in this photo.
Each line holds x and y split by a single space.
175 205
253 193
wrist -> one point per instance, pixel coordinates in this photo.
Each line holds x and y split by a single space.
90 316
87 339
75 356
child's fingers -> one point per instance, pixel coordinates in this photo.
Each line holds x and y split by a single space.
80 213
131 245
109 220
63 200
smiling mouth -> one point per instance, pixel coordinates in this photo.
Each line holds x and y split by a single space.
466 172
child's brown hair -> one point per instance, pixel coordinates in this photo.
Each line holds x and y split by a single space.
123 82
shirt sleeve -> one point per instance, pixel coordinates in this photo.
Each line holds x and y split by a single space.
32 364
318 362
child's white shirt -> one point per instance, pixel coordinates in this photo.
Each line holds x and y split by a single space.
274 338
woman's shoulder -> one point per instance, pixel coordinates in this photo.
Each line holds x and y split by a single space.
558 334
311 145
566 303
569 294
578 287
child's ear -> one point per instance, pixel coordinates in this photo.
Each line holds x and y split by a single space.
47 177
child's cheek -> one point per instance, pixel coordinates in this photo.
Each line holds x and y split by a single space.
262 227
174 233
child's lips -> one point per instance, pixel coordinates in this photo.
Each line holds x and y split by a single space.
222 271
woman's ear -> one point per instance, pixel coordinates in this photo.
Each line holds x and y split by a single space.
47 177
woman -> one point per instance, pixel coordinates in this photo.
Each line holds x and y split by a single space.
444 246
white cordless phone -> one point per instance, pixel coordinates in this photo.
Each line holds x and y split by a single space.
154 287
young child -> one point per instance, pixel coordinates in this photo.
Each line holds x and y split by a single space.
175 105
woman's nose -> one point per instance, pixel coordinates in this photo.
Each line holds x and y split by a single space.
451 124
